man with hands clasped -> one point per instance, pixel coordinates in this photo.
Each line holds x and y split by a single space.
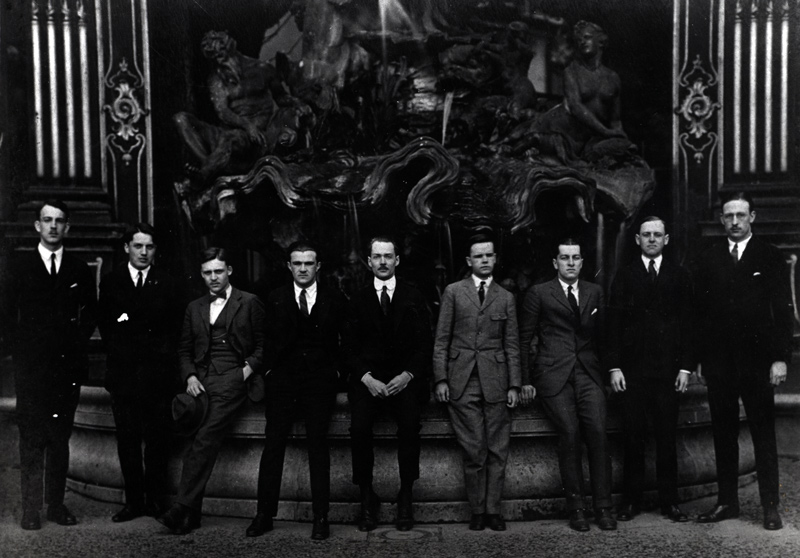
649 361
476 367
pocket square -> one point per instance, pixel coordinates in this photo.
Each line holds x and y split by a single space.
756 273
594 312
73 285
123 317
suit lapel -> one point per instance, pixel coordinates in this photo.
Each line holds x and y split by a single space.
321 306
233 306
558 294
468 285
398 305
491 294
583 303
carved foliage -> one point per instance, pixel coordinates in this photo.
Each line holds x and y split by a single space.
125 112
698 110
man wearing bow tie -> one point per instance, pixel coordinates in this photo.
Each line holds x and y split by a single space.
56 299
220 353
744 345
649 360
388 353
476 368
304 324
563 318
140 314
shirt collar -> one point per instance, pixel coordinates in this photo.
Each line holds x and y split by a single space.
391 283
227 294
657 260
45 254
135 273
565 285
477 280
742 244
311 290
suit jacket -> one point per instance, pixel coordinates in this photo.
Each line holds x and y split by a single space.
550 339
404 345
245 331
470 334
140 329
283 330
745 313
650 324
54 318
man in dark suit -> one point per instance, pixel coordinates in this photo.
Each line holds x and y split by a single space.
388 352
650 358
304 323
564 317
745 344
220 352
139 319
56 300
476 367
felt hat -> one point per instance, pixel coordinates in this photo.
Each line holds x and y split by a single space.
189 412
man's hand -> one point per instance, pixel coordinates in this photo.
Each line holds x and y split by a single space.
682 382
247 371
512 399
442 392
699 373
398 383
376 387
194 387
777 373
527 395
617 381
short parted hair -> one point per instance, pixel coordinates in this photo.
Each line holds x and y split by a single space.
602 36
650 219
479 238
383 238
143 228
53 202
567 241
726 197
301 246
214 253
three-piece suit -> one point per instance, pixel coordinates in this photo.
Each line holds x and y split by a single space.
650 339
745 324
55 319
140 327
216 354
302 359
560 359
476 351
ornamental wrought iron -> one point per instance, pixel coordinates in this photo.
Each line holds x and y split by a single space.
698 110
126 113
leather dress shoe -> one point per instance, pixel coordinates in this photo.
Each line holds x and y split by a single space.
154 508
176 519
370 506
262 523
495 522
321 529
718 513
405 514
605 520
127 514
627 512
674 513
61 515
578 521
30 521
477 522
772 519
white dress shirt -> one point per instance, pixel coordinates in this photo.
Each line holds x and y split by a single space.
742 245
656 260
565 287
135 273
45 254
218 304
311 295
391 283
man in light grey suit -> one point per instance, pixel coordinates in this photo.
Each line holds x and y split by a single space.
476 367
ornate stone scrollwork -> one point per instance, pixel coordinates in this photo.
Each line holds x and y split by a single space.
125 112
698 109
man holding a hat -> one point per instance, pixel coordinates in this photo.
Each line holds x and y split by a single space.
220 355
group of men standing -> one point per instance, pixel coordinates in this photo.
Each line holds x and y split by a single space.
730 319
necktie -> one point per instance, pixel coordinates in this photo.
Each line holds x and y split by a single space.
303 303
651 271
139 281
385 301
735 253
573 303
53 265
482 292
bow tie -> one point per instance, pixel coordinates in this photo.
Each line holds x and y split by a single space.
222 296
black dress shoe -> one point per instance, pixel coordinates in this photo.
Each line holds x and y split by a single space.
154 508
495 522
718 513
261 524
772 519
674 513
477 522
61 515
627 512
605 520
405 514
370 505
578 521
127 514
321 529
30 521
174 518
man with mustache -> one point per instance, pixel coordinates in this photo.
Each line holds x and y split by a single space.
744 344
220 354
388 353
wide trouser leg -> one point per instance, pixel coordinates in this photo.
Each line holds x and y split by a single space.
128 421
665 404
157 436
591 407
279 414
363 411
468 422
317 407
634 404
723 402
498 433
406 410
758 397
